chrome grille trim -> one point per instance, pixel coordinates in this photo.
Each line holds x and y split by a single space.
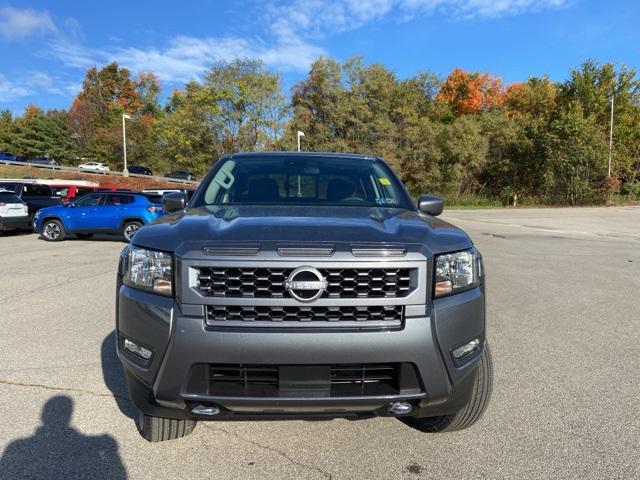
269 282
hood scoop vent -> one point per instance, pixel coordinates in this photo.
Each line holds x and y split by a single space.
372 251
252 249
306 251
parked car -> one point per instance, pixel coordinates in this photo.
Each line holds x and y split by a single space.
14 214
11 158
68 192
94 167
139 170
120 213
8 157
161 191
50 162
35 195
113 189
164 191
181 175
302 284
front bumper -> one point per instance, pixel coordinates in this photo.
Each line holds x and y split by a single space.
13 223
178 338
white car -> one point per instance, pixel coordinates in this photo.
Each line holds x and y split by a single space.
94 166
14 214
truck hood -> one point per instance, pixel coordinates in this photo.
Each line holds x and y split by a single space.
297 224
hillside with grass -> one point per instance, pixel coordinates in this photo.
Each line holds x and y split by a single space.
133 183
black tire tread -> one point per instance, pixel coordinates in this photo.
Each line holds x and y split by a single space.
63 231
160 429
124 226
473 411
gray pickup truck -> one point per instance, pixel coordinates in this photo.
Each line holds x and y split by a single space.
302 284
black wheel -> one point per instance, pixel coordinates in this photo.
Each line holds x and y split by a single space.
159 429
84 236
53 231
472 412
129 229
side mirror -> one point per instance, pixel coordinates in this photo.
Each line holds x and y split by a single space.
431 204
174 201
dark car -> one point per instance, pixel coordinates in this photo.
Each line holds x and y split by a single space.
301 285
180 175
44 161
36 196
69 192
11 158
139 170
119 213
8 157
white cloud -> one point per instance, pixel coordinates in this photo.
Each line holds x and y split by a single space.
34 83
10 91
43 82
469 9
290 42
16 24
187 58
312 18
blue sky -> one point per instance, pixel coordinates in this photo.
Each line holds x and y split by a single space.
45 47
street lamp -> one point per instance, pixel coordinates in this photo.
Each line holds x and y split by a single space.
610 137
125 172
298 135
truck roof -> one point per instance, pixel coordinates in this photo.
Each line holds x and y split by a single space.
301 155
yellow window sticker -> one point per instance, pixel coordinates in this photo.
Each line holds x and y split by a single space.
384 181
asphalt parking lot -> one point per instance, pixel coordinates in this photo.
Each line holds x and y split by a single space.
563 322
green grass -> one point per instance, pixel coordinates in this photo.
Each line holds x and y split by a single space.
471 202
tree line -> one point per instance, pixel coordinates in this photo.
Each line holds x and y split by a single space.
467 136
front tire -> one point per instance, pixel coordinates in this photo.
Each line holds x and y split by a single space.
160 429
53 231
129 229
472 411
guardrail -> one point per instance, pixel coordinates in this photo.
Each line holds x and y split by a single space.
91 172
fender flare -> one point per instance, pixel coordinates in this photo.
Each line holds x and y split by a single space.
52 217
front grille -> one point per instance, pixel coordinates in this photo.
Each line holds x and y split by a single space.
245 380
337 380
342 316
270 282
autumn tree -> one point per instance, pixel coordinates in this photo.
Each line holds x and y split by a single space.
473 92
250 107
188 134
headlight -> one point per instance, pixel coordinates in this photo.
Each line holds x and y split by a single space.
455 272
148 270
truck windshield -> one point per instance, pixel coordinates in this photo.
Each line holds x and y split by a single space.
314 181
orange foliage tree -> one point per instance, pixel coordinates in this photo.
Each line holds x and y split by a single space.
472 92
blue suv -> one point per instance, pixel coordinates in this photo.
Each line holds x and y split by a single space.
108 212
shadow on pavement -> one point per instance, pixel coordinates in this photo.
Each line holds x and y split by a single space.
113 376
57 450
98 237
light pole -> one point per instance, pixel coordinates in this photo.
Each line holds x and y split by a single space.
298 135
125 172
610 137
